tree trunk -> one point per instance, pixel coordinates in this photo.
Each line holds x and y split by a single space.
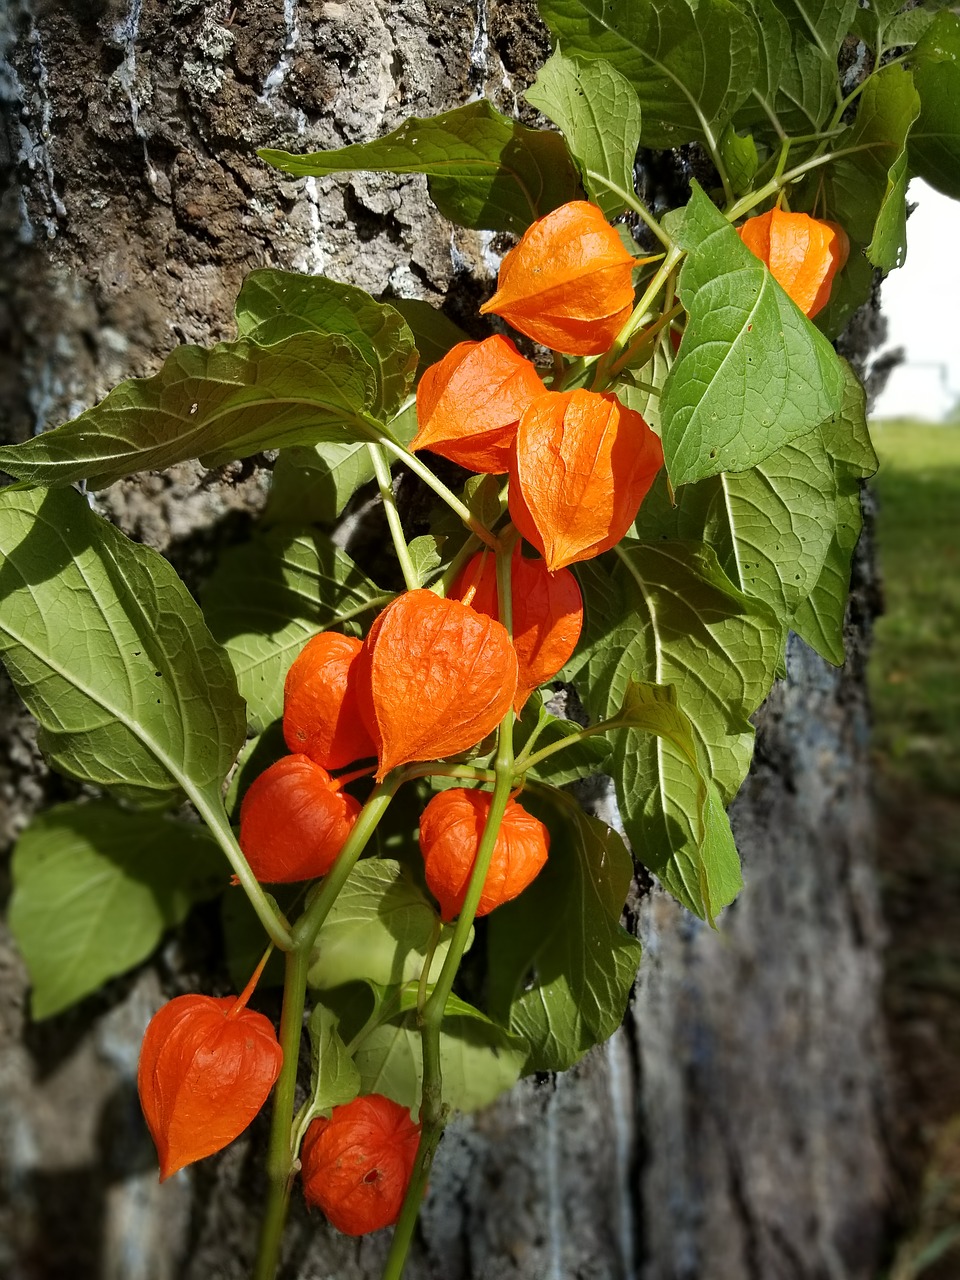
733 1128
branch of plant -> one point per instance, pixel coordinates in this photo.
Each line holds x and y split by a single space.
758 196
385 483
602 369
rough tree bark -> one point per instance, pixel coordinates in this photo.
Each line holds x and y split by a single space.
734 1127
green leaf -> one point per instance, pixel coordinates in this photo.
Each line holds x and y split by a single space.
110 653
935 138
823 22
739 155
378 930
334 1078
482 495
426 555
478 1060
597 112
908 28
485 171
227 402
245 939
275 305
770 526
433 332
561 966
667 614
268 596
819 619
94 889
752 372
691 62
866 192
797 80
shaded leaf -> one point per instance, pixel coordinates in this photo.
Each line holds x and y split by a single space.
110 653
334 1078
935 138
597 112
797 80
561 966
580 758
752 371
433 332
94 889
217 404
485 171
378 930
691 62
268 596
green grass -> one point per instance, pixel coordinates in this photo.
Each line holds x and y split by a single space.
915 670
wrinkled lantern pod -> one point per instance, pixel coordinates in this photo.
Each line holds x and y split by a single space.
469 404
803 254
206 1068
436 678
294 820
321 715
450 830
357 1165
547 613
568 283
581 466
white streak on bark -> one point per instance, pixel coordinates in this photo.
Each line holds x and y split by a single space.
126 33
621 1102
291 26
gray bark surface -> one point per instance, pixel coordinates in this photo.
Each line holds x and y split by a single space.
733 1128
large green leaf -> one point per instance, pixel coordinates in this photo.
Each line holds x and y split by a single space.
94 888
823 22
819 618
274 305
561 966
110 653
485 170
935 138
378 930
752 372
597 111
770 526
232 400
268 596
866 191
797 81
667 614
691 62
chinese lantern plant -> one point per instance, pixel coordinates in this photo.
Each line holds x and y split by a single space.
670 485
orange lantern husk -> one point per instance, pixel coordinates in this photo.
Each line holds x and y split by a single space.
451 827
436 678
357 1165
581 466
547 613
568 283
206 1068
294 820
804 254
321 717
469 403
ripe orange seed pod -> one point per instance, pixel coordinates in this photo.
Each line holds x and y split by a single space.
436 678
356 1166
294 820
803 254
547 613
321 716
568 283
206 1068
469 403
450 830
581 466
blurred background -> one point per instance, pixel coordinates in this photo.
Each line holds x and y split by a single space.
915 693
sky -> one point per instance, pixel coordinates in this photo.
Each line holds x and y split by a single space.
921 301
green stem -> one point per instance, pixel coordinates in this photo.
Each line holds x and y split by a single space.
443 584
753 198
280 1156
213 814
385 483
612 358
439 488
